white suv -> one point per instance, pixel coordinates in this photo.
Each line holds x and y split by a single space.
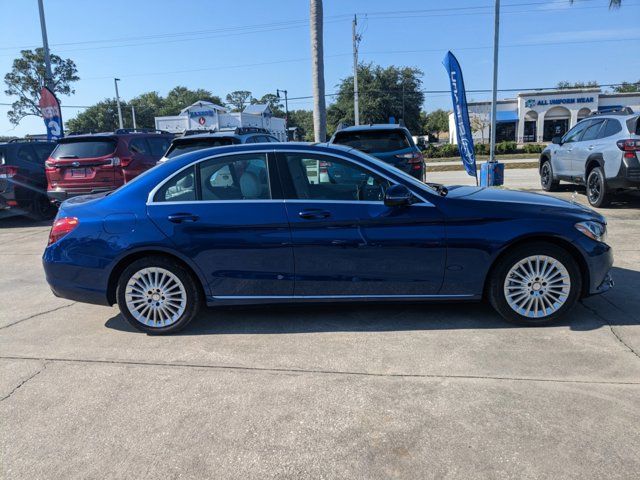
601 152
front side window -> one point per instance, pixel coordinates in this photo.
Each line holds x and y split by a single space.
575 133
320 177
237 177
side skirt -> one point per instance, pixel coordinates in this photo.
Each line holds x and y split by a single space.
261 299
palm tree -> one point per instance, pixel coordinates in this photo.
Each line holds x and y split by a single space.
317 71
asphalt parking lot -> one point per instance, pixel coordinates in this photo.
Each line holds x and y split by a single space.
374 391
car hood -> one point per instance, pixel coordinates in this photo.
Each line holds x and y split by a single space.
516 197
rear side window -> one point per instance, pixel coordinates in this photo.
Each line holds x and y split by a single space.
633 124
374 141
139 145
592 131
158 145
240 177
181 188
84 149
611 128
43 150
179 148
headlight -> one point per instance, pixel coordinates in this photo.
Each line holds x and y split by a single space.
594 230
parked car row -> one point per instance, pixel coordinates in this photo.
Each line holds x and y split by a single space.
37 176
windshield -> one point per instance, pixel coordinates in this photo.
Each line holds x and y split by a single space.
178 148
377 141
80 148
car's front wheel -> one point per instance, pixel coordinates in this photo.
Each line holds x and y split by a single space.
549 184
158 295
535 284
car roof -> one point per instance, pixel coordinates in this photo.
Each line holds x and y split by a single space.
373 126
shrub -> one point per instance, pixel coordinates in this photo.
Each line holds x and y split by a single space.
481 149
533 148
506 147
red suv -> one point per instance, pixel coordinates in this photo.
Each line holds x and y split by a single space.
93 163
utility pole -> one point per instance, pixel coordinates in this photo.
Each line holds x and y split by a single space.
133 116
286 110
356 41
496 35
115 81
48 76
317 71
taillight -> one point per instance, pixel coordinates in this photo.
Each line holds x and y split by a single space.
114 162
50 164
629 147
7 171
414 159
61 227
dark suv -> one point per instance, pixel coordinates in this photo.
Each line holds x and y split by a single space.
390 143
93 163
197 140
23 184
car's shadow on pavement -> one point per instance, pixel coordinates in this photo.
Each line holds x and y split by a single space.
381 317
20 221
629 199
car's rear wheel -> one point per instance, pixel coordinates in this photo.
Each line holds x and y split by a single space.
41 208
158 295
597 192
546 178
535 284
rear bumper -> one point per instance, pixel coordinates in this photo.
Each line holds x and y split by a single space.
628 176
59 195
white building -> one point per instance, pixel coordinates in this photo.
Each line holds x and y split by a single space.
539 116
209 116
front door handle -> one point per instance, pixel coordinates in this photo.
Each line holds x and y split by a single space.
182 217
591 147
314 214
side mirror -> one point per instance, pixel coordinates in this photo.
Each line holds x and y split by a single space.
557 140
397 196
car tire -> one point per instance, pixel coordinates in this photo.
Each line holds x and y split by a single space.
597 193
41 208
157 295
548 183
519 287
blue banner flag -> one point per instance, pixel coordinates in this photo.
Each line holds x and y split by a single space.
50 109
461 114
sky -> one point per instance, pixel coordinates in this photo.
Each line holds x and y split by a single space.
261 45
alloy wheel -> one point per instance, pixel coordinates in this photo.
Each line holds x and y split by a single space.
155 297
594 187
537 286
545 174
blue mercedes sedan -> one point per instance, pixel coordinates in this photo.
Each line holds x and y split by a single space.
269 223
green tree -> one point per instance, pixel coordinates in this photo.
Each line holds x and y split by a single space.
566 85
273 101
384 92
303 120
101 117
238 99
181 97
436 122
26 78
627 87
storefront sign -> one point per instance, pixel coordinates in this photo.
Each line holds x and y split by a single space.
201 113
557 101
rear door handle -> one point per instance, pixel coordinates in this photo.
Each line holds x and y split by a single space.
182 217
314 214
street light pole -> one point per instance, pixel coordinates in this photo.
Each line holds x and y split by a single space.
115 81
286 110
48 76
133 116
356 99
496 35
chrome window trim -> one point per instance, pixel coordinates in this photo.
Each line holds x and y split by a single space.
152 193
